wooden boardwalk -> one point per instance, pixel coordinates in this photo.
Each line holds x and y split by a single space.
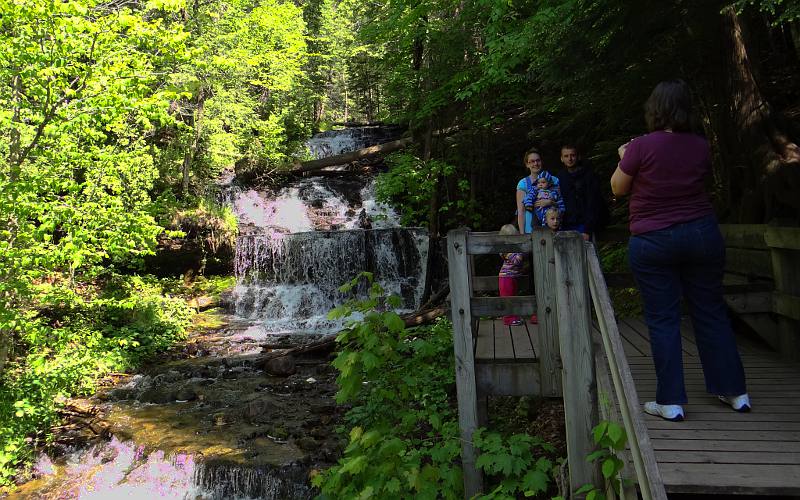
715 450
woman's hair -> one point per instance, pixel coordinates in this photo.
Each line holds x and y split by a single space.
669 106
530 152
509 229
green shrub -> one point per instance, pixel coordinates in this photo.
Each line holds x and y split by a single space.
404 439
71 343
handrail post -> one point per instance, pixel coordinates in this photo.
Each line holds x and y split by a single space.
575 341
544 278
460 294
651 485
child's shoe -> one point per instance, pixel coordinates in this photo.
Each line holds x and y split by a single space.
534 319
673 413
516 322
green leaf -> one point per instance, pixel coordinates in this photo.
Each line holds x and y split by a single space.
393 322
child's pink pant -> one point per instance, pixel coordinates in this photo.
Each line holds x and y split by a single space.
508 288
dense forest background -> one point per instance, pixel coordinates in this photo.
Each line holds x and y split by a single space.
117 117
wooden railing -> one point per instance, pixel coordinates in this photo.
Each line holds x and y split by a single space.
564 269
622 387
762 280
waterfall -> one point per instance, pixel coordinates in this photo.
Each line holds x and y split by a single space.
291 281
334 142
300 243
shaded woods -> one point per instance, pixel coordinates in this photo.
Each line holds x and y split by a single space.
514 74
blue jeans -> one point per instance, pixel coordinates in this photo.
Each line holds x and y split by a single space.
686 259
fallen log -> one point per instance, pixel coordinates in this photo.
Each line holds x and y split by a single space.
359 124
425 317
325 342
387 147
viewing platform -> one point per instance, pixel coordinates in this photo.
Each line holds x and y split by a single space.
601 367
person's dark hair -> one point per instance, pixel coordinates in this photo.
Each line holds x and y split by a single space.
529 152
669 106
570 145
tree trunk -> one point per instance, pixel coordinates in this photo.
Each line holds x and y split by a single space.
759 165
188 157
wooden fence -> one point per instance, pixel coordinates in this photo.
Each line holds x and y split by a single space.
567 362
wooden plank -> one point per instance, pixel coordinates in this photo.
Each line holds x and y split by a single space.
609 410
765 327
729 457
484 347
574 334
786 305
650 481
783 237
688 346
490 284
746 303
640 343
744 235
494 242
786 266
508 379
503 346
725 445
691 424
523 347
722 435
466 389
732 479
748 262
521 305
544 274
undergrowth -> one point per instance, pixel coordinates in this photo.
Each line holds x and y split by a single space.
73 337
403 425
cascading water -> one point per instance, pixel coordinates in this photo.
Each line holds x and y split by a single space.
334 142
300 245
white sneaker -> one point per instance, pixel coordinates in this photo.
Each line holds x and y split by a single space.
739 403
673 413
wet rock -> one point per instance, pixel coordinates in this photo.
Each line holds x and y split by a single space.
320 433
282 366
186 394
258 409
204 303
157 395
307 444
323 408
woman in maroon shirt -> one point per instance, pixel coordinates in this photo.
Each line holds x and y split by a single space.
676 249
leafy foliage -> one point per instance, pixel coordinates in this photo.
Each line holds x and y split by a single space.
68 346
609 439
404 436
513 460
411 182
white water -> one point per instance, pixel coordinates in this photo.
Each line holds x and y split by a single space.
299 244
121 469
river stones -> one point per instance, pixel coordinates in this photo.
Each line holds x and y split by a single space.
282 366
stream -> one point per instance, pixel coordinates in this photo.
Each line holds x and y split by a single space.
214 420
